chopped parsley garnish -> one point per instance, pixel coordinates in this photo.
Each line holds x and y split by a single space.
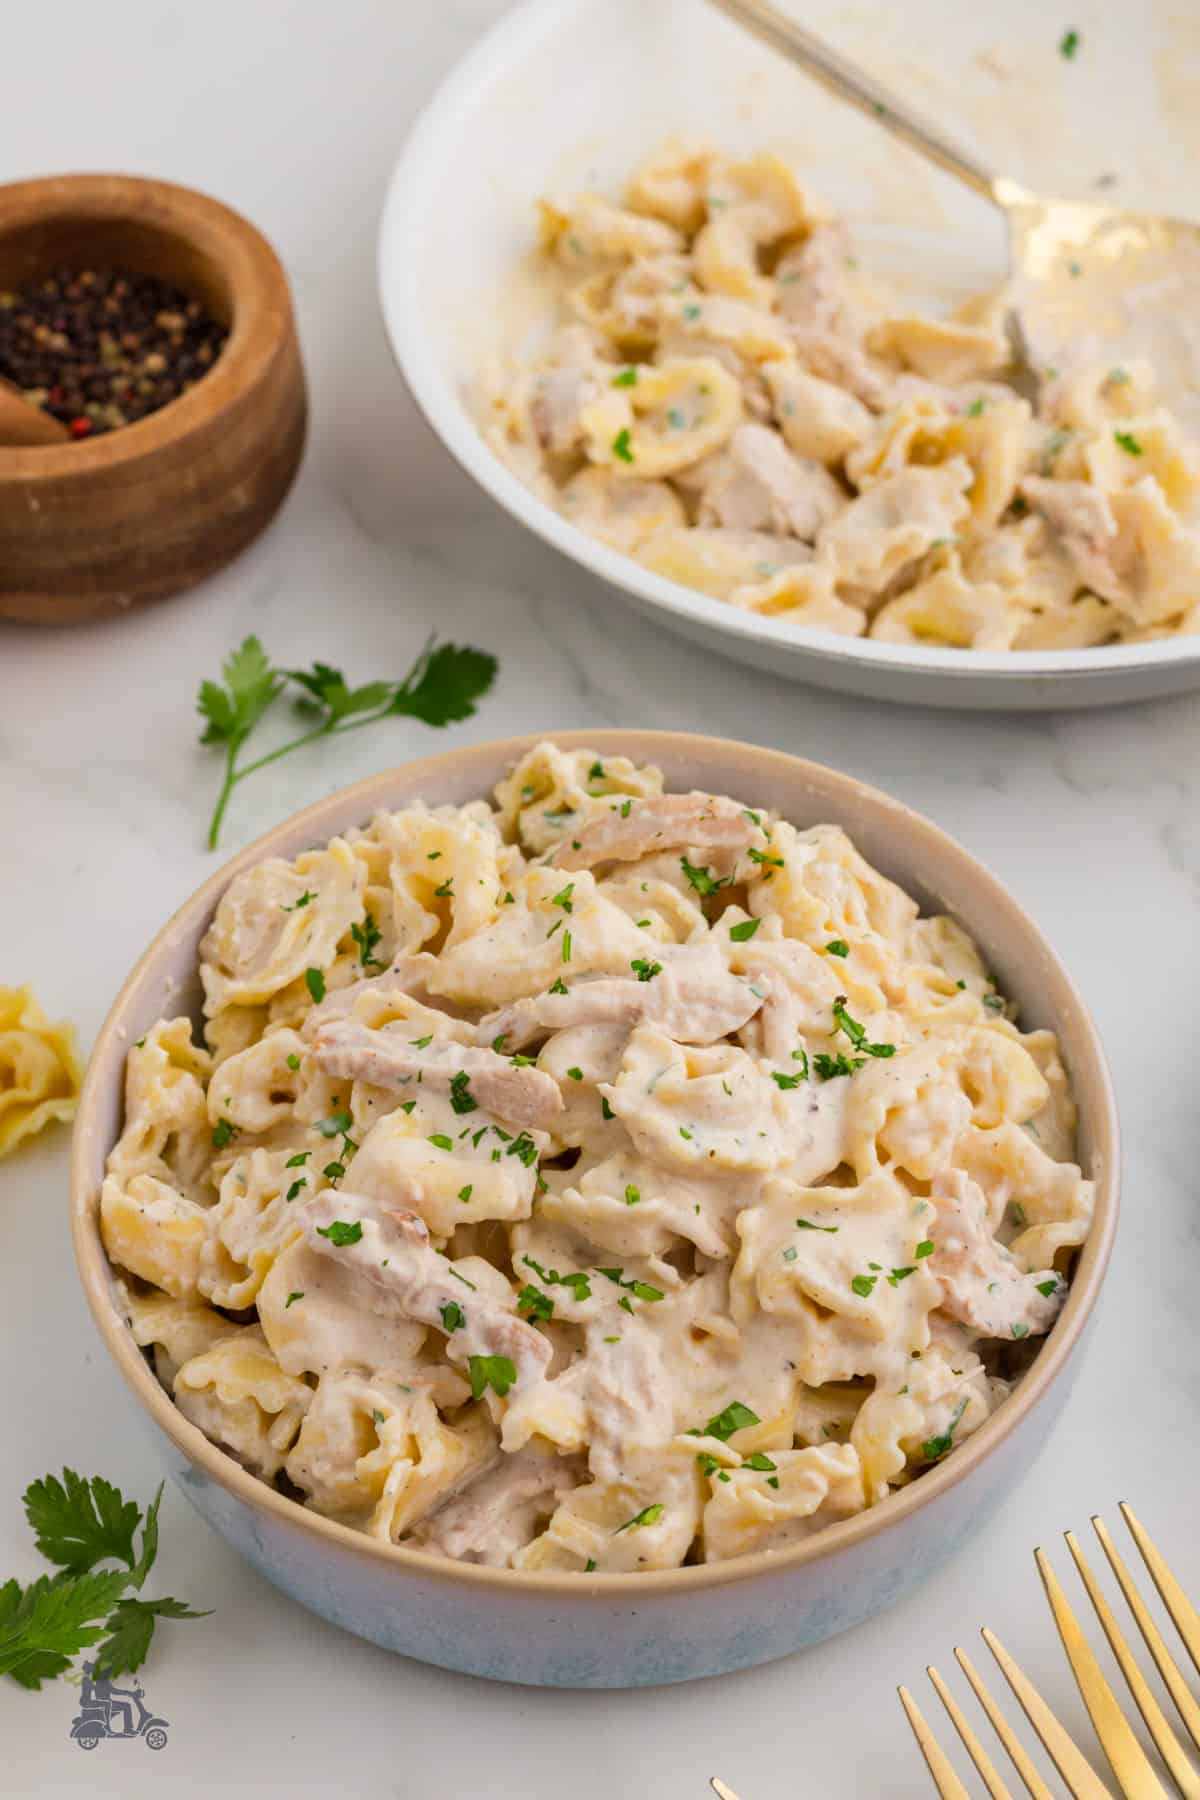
856 1032
366 936
453 1315
864 1285
621 445
341 1231
295 1189
224 1132
496 1372
459 1277
649 1515
606 1111
747 928
791 1253
314 981
1068 44
304 900
935 1447
446 891
837 947
566 946
760 856
828 1067
708 1463
464 1193
703 880
461 1097
596 772
976 407
298 1161
336 1125
993 1002
1128 443
559 987
577 1282
1048 1287
807 1225
735 1417
685 1133
625 378
523 1062
574 1074
786 1081
899 1275
924 1248
589 1565
293 1061
801 1056
407 1106
523 1147
533 1302
644 970
563 897
440 1141
298 1294
334 1171
632 1195
762 1464
641 1290
1020 1331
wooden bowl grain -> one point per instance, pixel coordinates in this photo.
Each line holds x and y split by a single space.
96 527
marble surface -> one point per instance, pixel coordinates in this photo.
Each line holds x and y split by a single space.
293 112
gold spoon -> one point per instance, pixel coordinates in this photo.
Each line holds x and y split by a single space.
1100 279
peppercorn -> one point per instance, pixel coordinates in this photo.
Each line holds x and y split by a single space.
102 348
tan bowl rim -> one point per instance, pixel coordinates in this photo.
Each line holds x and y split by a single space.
422 775
257 282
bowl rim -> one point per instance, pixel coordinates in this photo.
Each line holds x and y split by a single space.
842 795
262 312
415 185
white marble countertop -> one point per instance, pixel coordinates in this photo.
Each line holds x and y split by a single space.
293 111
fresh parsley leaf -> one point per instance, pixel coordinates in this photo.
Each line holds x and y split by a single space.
461 1097
44 1625
828 1067
645 970
621 445
924 1248
807 1225
703 880
496 1372
649 1515
534 1303
735 1417
1048 1287
442 686
1128 443
130 1629
936 1447
864 1285
1068 44
747 929
296 1294
337 1124
1020 1330
224 1132
837 947
341 1232
563 897
632 1195
759 1462
79 1523
453 1316
366 936
314 981
625 378
786 1081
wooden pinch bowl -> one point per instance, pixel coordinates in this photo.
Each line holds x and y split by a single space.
93 527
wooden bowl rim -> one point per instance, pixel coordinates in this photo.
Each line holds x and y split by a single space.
261 302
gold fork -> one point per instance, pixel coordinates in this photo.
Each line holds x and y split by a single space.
1136 1777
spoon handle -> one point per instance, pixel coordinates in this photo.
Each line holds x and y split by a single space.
842 78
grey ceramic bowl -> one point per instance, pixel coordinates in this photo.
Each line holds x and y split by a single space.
566 1630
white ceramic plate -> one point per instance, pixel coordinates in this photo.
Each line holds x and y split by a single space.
563 94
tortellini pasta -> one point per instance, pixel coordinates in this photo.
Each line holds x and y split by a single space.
39 1069
638 1180
722 397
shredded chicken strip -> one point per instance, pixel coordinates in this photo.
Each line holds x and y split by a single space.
393 1253
983 1286
387 1059
694 998
497 1513
664 822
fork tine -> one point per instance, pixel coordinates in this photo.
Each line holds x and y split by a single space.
1135 1777
944 1779
720 1790
1183 1613
1074 1768
971 1743
1168 1745
1167 1667
1017 1753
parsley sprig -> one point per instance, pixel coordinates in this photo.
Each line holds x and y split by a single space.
442 686
80 1525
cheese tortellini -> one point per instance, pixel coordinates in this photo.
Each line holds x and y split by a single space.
600 1180
722 397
